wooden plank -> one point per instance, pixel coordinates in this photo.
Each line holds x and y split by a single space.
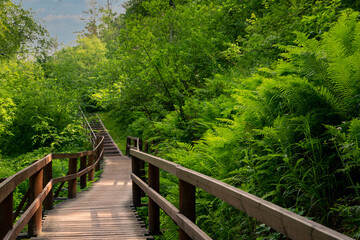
136 191
36 186
101 140
182 221
108 136
290 224
72 182
77 155
27 215
75 175
153 208
9 185
6 215
48 175
128 145
132 138
25 198
71 155
83 164
90 164
103 212
99 157
187 205
88 126
156 161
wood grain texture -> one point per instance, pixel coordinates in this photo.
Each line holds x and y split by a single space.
182 221
9 185
103 212
282 220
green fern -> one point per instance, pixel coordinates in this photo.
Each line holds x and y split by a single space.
330 64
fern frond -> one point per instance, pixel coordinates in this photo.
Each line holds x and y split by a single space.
329 97
187 146
228 121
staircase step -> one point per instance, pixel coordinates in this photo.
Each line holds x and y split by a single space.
113 154
110 149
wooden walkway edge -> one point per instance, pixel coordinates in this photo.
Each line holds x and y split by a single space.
103 212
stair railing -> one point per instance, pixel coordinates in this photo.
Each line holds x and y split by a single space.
288 223
89 131
132 143
41 184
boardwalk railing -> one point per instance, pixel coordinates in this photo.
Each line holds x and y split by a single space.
89 131
290 224
41 185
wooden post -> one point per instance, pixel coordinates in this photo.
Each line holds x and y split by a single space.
135 164
90 163
6 215
97 155
154 210
36 185
186 204
128 143
72 183
102 150
48 202
82 167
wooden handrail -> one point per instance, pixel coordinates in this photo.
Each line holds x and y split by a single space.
34 172
288 223
132 143
193 231
9 185
92 134
110 138
25 198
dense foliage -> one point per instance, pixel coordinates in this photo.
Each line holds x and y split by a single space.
38 115
261 94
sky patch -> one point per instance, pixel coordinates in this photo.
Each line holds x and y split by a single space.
62 18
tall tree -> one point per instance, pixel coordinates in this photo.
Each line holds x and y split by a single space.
92 18
17 29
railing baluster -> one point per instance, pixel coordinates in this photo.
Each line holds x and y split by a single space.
25 198
39 174
72 183
128 143
186 204
36 185
6 215
135 163
48 202
82 167
102 150
97 155
154 210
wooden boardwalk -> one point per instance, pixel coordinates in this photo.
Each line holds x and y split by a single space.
103 212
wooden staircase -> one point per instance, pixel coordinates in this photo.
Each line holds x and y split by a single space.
110 147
